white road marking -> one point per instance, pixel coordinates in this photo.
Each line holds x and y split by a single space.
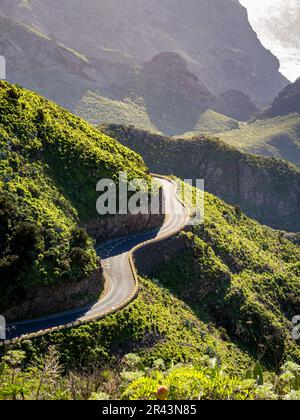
121 288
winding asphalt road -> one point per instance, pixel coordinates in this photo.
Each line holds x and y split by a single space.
120 282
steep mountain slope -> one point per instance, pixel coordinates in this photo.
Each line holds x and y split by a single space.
230 297
162 95
50 163
277 25
267 189
242 276
272 137
214 36
211 122
39 63
235 104
276 131
61 74
173 95
95 108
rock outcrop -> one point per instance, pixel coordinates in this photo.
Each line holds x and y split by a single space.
174 97
39 63
122 225
46 300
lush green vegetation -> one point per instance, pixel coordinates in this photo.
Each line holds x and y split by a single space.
277 137
50 163
243 277
133 380
155 326
197 327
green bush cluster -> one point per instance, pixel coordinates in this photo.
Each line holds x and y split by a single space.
242 276
50 163
133 380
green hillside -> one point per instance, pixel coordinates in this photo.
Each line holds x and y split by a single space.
211 122
200 322
276 137
96 109
242 277
199 325
50 162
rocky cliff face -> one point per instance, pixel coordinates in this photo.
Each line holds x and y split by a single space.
39 63
266 189
176 99
122 225
46 300
214 36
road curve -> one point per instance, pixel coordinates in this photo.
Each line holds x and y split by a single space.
121 283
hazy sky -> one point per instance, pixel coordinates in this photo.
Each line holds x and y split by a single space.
277 25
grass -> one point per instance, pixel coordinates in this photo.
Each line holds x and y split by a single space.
211 122
156 326
276 137
265 188
197 327
231 296
98 109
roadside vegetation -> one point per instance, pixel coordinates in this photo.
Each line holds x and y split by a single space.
266 189
50 163
213 323
242 276
133 380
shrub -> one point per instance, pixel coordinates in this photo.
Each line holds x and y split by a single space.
13 93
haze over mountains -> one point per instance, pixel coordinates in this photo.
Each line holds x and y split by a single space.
163 82
164 66
214 37
276 132
277 25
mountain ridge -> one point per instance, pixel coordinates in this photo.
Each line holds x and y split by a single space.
255 183
214 37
